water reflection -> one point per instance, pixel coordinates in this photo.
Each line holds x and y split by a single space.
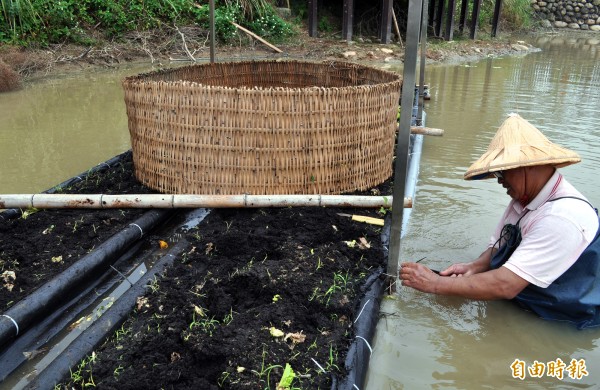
426 341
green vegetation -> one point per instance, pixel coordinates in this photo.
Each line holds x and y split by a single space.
514 15
517 14
24 22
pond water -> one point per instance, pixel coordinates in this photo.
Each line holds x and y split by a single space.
55 128
425 341
59 127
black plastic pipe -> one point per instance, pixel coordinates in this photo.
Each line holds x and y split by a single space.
102 327
44 300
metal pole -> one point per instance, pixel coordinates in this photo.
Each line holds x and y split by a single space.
212 30
415 8
424 19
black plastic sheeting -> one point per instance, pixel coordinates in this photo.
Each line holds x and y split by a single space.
365 323
101 328
65 285
35 338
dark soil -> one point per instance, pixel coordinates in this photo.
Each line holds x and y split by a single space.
41 244
254 290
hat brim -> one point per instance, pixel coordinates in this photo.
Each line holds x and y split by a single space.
517 144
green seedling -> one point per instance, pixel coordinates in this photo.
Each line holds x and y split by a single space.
287 378
333 355
222 378
29 211
228 317
265 371
118 371
78 376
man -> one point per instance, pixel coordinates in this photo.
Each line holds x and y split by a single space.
545 251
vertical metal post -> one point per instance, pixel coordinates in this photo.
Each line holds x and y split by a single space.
422 60
415 8
212 30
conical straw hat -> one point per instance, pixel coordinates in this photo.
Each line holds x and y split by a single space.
518 143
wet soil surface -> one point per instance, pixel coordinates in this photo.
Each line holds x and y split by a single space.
41 244
253 291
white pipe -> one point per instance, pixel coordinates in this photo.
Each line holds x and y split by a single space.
163 201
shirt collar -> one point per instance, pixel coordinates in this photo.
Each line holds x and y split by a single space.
547 191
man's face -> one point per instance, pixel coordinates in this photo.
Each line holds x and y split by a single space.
514 182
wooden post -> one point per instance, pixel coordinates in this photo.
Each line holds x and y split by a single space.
449 34
212 30
475 18
312 18
348 20
437 26
463 16
496 19
385 34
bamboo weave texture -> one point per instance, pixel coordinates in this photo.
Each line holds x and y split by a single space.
263 127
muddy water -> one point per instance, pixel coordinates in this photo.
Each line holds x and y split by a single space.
58 127
425 341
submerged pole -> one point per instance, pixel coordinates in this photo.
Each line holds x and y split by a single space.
165 201
415 8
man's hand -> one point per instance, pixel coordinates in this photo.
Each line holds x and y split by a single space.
460 269
418 277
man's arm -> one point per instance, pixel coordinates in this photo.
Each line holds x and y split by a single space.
500 283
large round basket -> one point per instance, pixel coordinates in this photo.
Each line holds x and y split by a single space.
263 127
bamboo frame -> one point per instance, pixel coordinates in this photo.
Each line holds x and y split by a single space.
163 201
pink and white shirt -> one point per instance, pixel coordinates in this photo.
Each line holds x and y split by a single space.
554 234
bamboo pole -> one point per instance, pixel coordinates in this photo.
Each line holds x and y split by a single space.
426 131
278 50
397 29
163 201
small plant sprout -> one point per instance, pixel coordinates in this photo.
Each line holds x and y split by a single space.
319 264
276 298
287 378
118 371
222 378
228 317
29 211
153 285
207 325
333 355
48 230
79 375
265 370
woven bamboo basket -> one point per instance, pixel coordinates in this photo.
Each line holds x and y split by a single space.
263 127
